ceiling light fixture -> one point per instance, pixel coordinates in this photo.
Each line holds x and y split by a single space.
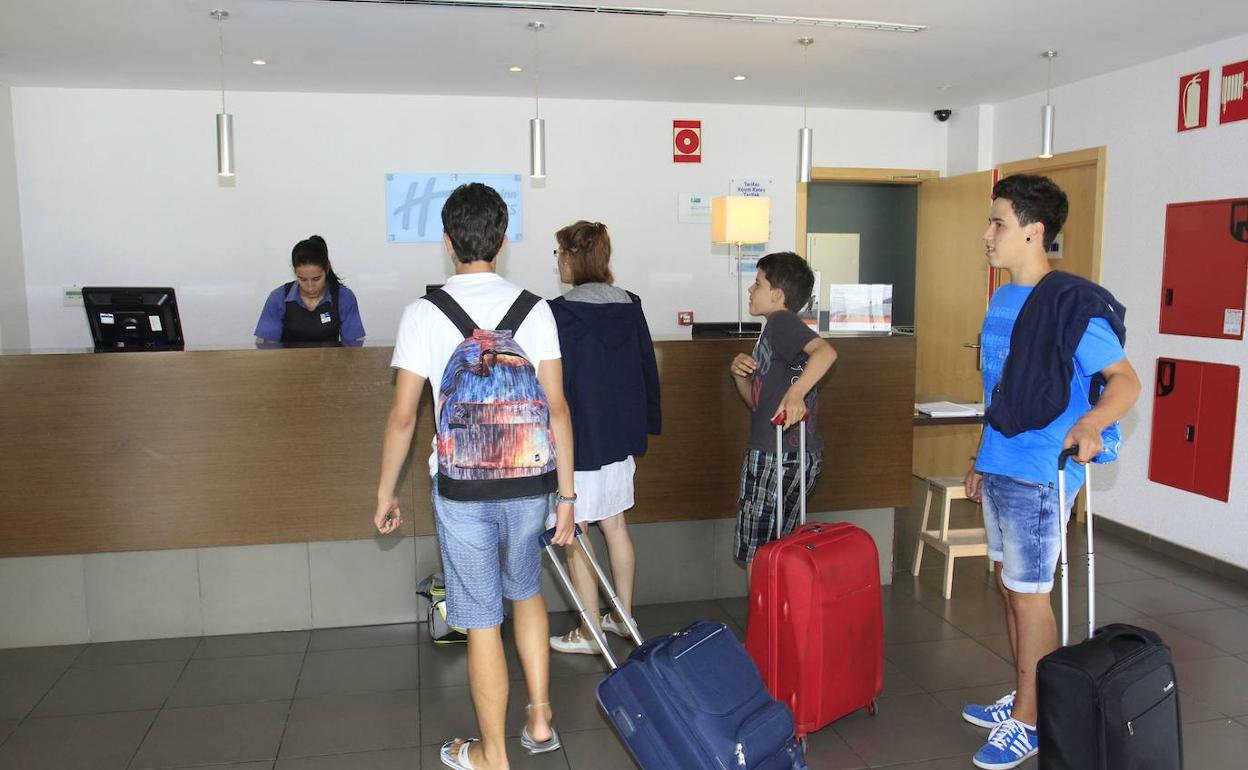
259 62
1047 112
537 126
225 121
805 137
625 10
515 68
738 78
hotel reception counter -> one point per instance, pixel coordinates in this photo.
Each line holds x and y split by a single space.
146 451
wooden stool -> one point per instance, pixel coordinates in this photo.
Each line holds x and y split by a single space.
953 543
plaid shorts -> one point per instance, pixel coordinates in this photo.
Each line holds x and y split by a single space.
756 499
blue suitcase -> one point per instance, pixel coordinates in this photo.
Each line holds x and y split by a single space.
692 700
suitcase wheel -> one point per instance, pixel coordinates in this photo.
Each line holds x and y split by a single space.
873 707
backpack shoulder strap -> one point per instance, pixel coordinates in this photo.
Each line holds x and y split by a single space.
447 304
519 311
286 289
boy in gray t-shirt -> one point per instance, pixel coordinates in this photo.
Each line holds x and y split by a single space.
779 378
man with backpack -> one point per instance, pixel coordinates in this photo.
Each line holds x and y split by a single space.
492 352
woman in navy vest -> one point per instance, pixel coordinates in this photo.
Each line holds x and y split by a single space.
316 307
612 385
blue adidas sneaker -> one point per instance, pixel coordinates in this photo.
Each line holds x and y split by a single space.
991 715
1009 745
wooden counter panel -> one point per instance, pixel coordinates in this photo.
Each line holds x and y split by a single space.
123 452
118 452
865 418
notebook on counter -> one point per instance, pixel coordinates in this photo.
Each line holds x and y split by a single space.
950 409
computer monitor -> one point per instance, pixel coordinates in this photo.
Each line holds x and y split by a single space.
127 318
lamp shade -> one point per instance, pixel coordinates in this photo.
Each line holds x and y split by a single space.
740 219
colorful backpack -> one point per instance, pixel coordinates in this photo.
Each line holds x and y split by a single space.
494 439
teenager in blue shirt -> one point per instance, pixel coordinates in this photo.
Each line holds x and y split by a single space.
1050 339
315 307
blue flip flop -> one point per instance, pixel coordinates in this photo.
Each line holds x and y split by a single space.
459 759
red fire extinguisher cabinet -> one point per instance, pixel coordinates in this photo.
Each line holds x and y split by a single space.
1205 276
1194 406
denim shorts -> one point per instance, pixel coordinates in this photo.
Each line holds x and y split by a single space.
1021 519
489 552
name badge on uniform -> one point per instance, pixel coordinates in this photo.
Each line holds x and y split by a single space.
325 318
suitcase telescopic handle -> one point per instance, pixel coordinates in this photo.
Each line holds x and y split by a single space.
546 539
1065 570
778 421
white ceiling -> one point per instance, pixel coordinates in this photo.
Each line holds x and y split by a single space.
982 51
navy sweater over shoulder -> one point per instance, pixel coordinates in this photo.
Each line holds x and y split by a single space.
1035 384
610 379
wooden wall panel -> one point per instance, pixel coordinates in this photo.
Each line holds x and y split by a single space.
144 451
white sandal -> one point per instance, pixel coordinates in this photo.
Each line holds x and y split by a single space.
609 623
538 747
460 759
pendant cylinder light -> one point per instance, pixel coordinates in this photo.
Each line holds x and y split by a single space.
805 136
537 126
225 121
1046 131
537 148
805 150
1047 112
225 144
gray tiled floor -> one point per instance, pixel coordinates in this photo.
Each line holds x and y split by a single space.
383 698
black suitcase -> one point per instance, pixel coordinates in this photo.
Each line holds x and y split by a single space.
1111 702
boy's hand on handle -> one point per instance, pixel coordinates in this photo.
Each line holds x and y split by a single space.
743 365
791 411
388 518
974 484
565 526
1087 437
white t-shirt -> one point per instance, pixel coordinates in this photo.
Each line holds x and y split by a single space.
426 337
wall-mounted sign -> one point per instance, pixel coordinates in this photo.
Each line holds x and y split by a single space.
686 141
1234 104
693 208
414 203
1194 101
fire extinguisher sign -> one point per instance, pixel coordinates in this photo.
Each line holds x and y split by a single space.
1234 104
1193 101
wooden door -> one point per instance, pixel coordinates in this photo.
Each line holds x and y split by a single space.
951 295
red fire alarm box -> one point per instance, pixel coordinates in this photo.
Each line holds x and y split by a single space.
1205 275
1194 405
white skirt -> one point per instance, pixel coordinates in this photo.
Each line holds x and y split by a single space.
603 493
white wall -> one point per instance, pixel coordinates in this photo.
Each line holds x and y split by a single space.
119 187
970 139
14 332
1134 112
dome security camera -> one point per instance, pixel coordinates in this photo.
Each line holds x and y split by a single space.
942 115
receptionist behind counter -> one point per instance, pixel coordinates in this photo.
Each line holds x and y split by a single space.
316 307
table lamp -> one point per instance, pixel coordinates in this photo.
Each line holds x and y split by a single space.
740 219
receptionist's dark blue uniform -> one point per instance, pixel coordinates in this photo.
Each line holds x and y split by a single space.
286 319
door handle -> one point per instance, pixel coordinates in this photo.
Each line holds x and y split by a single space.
979 360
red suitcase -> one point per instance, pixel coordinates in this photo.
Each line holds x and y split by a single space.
816 622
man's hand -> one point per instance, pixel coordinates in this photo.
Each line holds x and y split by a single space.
1085 435
792 406
387 518
743 365
974 484
565 525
